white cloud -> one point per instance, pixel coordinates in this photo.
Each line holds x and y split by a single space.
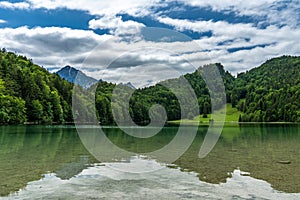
111 7
219 27
275 11
116 25
18 5
143 62
240 5
256 45
106 11
227 31
2 21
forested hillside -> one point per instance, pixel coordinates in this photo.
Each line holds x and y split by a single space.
31 93
271 92
142 99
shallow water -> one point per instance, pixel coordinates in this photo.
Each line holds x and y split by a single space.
40 162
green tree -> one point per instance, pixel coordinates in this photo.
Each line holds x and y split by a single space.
36 111
12 110
2 87
56 107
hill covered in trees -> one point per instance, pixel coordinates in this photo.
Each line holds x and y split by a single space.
269 93
29 93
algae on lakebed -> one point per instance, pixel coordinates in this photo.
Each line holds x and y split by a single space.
256 149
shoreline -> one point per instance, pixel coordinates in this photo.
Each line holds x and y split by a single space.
167 124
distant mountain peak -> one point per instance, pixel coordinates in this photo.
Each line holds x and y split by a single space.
69 68
76 76
128 84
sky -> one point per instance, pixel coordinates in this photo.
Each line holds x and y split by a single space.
145 41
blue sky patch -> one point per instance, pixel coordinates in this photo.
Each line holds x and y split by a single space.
74 19
232 50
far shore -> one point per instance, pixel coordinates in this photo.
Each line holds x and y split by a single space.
168 123
192 122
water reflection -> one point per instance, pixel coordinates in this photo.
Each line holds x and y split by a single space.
267 152
103 182
27 153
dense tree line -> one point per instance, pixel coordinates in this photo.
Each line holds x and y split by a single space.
164 94
31 93
267 93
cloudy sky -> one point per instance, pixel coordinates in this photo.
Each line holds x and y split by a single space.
149 40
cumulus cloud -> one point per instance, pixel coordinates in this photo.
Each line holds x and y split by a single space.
254 45
116 25
140 62
106 11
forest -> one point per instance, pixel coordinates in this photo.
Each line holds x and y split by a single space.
269 93
29 93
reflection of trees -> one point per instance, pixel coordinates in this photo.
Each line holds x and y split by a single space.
141 145
11 139
26 153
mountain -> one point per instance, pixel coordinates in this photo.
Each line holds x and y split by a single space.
128 84
73 75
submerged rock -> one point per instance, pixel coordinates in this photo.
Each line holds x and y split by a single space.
284 162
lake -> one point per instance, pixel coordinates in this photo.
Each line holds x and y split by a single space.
248 162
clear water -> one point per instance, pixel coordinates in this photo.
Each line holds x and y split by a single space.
47 162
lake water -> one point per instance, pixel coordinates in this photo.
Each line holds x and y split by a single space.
248 162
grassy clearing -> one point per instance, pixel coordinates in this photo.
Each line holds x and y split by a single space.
232 115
